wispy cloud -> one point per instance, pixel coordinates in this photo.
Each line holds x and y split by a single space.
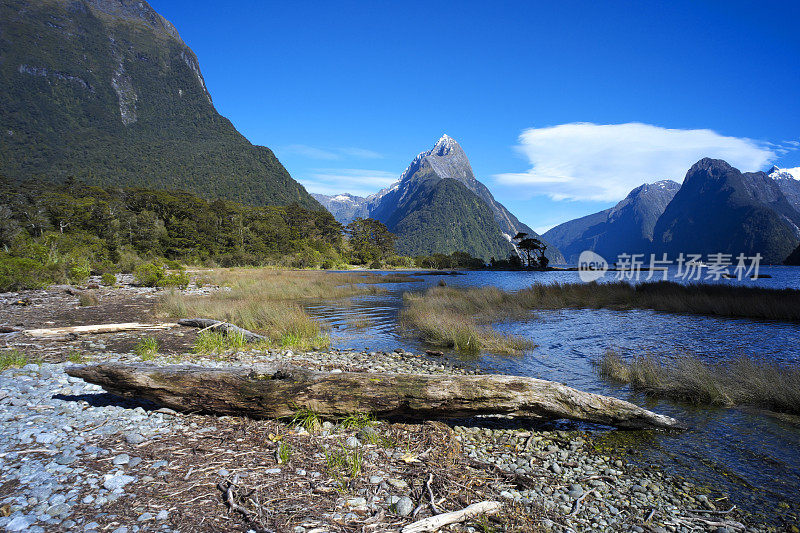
330 154
584 161
358 181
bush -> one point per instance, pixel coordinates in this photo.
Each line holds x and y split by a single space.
18 273
180 279
128 260
78 274
108 279
376 265
149 274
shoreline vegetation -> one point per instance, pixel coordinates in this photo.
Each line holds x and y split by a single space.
744 381
269 302
461 318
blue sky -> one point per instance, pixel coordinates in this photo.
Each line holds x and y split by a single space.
562 107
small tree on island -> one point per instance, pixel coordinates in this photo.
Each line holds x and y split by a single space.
534 250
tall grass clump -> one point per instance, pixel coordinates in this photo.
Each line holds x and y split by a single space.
686 377
146 348
269 302
218 343
452 318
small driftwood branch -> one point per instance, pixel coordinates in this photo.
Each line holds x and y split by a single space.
94 329
225 327
276 390
437 522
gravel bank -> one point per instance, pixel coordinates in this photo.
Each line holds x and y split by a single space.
74 458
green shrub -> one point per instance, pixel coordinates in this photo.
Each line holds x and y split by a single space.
376 265
180 279
19 273
105 267
108 279
149 274
128 260
78 274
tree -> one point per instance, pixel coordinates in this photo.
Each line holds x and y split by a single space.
370 240
534 250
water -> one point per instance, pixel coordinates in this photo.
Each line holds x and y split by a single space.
750 455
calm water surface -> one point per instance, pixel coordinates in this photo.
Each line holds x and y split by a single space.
752 456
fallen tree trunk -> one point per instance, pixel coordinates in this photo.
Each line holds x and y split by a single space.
275 391
95 329
225 327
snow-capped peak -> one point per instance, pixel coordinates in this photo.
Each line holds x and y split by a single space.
784 173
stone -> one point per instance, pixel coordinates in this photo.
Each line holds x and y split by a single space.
20 523
134 438
554 468
118 481
404 506
162 515
121 459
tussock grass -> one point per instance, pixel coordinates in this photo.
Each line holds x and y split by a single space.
217 343
452 318
87 299
146 348
12 359
269 301
456 317
741 381
704 299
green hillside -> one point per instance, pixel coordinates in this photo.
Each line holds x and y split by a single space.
105 91
445 217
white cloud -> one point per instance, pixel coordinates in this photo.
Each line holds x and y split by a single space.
312 152
361 182
584 161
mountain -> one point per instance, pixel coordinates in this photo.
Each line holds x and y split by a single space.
788 180
719 209
419 233
625 228
107 92
794 258
344 207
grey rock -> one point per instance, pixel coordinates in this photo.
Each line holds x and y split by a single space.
118 481
20 523
404 506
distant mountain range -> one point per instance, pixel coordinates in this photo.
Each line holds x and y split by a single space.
107 92
720 209
717 209
626 226
438 206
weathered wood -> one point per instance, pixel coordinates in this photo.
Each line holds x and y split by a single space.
217 325
95 329
275 391
435 523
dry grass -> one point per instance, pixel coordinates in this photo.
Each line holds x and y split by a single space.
454 318
269 301
741 381
703 299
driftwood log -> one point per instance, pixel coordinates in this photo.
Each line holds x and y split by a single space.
224 327
95 329
275 391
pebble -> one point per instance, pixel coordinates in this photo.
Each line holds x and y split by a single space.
404 506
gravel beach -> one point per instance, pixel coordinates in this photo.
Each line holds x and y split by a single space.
75 458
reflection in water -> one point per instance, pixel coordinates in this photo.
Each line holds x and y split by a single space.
750 455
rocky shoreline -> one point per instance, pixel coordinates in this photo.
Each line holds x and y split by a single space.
74 458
